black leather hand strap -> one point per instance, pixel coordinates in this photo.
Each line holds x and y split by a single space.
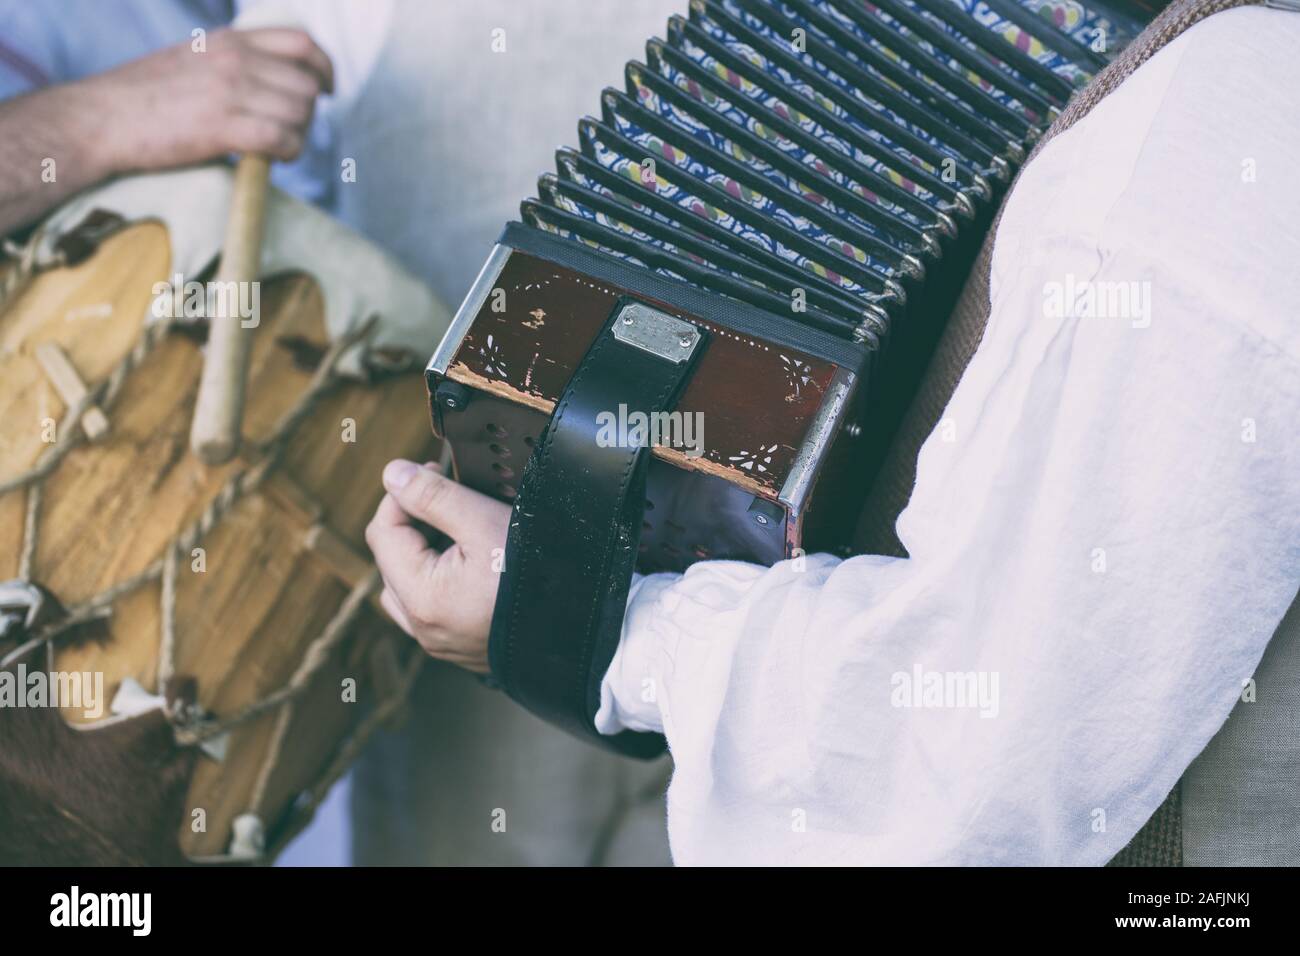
573 537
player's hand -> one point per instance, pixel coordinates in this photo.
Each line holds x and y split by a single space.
442 599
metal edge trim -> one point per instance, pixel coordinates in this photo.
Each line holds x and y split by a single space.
469 309
817 443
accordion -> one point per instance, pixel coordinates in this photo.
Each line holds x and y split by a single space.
700 338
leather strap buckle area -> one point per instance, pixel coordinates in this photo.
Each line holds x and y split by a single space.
576 526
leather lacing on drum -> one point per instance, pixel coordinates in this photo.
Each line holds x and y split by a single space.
191 726
28 263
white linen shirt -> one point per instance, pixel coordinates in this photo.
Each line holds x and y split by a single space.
1104 531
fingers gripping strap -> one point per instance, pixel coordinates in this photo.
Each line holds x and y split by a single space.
573 538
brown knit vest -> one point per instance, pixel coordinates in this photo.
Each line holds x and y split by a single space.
1159 842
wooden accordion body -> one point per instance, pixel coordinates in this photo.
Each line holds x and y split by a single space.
807 180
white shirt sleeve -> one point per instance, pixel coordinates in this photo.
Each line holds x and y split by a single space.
1104 532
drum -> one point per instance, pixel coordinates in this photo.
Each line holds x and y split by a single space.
191 654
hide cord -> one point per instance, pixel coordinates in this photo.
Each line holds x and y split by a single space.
190 725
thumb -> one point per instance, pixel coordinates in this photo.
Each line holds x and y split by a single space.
466 516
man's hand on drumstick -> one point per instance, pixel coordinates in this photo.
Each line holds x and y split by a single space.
251 91
442 599
247 91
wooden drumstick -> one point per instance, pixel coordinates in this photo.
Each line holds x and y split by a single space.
218 415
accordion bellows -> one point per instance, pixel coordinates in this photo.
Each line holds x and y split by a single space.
808 181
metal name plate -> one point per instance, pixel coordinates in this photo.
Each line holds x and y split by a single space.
656 332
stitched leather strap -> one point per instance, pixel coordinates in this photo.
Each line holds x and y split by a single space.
575 530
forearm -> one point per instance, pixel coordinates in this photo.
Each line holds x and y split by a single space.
1007 705
250 91
52 145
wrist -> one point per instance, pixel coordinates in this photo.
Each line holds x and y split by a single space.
631 691
112 142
